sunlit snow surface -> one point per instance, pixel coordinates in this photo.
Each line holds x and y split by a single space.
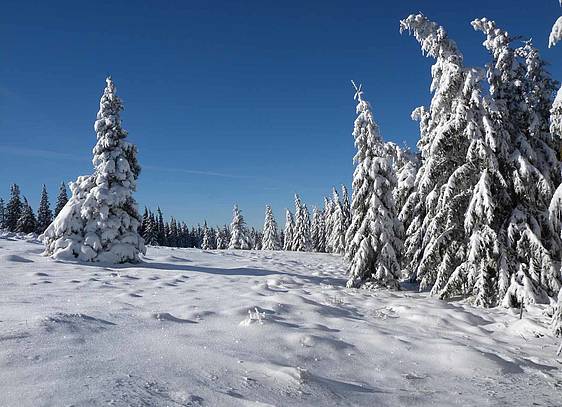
233 328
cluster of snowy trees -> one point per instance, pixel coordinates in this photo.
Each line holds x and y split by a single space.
477 216
173 233
324 231
18 216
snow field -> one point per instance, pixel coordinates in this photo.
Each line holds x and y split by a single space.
248 328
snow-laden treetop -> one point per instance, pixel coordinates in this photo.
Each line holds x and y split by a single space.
432 37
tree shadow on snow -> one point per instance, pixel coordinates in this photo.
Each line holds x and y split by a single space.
239 271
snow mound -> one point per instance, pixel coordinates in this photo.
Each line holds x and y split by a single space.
74 323
12 258
166 316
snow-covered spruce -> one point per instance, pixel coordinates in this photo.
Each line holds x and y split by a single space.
222 238
2 214
100 222
520 90
288 231
207 243
270 240
318 231
476 275
239 238
346 207
62 199
435 239
556 32
301 232
338 224
406 166
44 214
327 212
374 235
26 222
555 207
13 209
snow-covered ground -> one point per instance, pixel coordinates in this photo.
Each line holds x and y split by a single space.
234 328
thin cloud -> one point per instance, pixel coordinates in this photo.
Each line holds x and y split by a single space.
196 172
56 155
38 153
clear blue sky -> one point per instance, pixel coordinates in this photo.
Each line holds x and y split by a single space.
228 101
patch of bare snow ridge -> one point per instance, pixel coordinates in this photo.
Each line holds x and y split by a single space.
246 328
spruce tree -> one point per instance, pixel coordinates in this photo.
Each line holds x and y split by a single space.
338 223
144 223
435 239
160 228
288 232
301 231
374 244
318 231
406 166
221 239
100 222
556 32
239 238
62 199
13 209
206 244
151 231
2 214
44 214
346 209
520 90
555 207
26 222
477 275
328 227
270 240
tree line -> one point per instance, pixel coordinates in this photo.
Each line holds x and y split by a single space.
18 216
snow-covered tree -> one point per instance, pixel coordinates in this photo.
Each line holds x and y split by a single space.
338 225
160 228
520 90
556 32
150 235
26 222
44 214
288 232
555 207
318 230
477 275
100 222
406 166
2 214
270 240
62 199
346 208
435 236
222 238
328 227
374 235
301 231
207 241
256 238
239 238
13 208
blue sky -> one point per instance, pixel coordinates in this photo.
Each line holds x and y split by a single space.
228 101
